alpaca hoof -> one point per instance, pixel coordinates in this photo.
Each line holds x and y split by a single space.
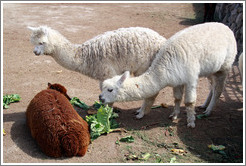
173 116
140 115
207 112
191 125
137 112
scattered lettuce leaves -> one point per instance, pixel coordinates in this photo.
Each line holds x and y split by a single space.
102 122
12 98
201 116
144 156
97 105
103 115
4 133
128 139
75 101
117 142
173 160
158 106
218 149
95 127
131 157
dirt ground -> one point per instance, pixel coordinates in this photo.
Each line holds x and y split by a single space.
26 75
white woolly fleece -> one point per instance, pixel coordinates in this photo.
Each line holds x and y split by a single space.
105 55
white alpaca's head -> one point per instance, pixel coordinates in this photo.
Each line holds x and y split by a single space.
111 88
40 39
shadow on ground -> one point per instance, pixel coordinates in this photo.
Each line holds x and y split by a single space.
223 127
21 135
197 18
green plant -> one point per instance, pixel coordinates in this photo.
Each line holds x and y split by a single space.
128 139
75 101
102 122
7 99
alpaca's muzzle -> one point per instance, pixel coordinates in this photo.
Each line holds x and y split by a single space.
38 50
36 53
101 99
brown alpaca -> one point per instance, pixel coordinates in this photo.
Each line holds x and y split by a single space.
59 88
55 125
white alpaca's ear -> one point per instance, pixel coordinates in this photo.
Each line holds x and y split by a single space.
44 30
123 77
32 28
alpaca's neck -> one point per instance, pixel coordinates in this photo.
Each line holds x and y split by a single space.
65 53
164 71
138 88
76 57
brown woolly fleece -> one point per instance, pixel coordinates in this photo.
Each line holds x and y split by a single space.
55 125
59 88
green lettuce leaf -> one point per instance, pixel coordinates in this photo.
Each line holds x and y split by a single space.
75 101
102 122
97 105
7 99
128 139
103 115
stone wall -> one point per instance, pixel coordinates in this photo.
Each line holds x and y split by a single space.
231 14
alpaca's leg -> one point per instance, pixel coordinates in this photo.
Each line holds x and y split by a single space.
190 101
178 94
217 87
190 109
206 103
146 106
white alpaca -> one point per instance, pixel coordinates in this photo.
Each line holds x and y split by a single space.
205 50
103 56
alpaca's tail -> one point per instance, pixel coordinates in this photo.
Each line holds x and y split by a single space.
70 145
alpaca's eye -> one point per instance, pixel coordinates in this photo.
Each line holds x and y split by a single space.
110 90
41 43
